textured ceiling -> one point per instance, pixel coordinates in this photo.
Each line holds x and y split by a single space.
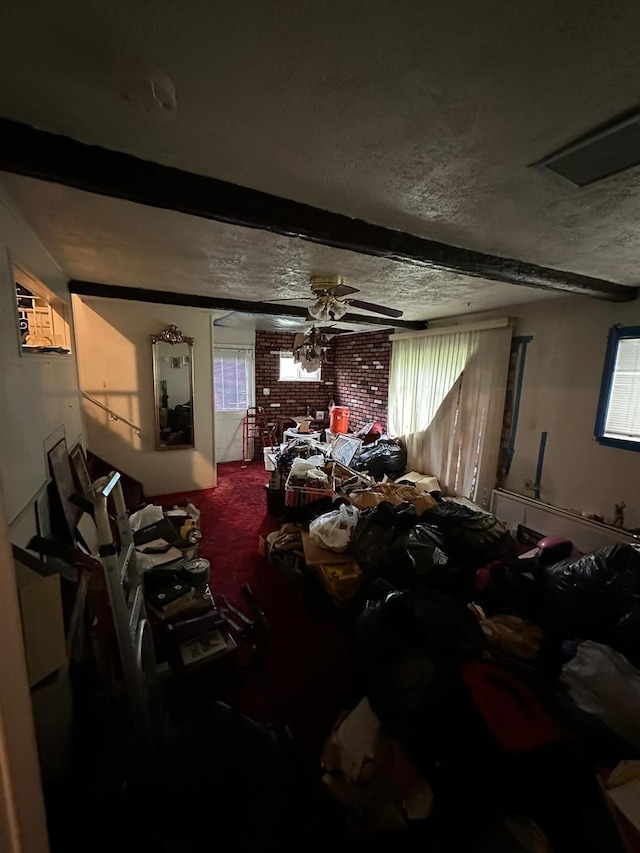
267 323
421 116
121 243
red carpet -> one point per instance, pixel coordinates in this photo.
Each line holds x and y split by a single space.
306 659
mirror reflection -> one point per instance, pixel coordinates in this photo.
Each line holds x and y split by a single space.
173 389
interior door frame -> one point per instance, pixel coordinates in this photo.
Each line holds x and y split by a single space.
251 379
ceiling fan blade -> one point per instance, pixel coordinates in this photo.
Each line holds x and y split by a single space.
331 330
343 290
377 309
287 299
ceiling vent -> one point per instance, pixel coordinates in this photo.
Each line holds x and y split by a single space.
599 155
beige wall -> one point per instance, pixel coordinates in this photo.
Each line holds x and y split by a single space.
114 363
39 395
560 396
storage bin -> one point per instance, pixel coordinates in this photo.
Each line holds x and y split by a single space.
303 495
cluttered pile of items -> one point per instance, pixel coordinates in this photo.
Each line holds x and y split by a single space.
496 681
304 468
123 591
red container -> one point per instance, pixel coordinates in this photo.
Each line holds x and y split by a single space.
339 420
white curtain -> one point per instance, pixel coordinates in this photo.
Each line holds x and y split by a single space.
446 401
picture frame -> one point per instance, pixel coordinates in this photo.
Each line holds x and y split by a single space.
344 448
64 483
80 471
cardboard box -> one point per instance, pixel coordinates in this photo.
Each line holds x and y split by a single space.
42 622
314 555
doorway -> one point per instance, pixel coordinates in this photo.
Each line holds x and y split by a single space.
234 392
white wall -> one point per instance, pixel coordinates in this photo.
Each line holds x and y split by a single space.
231 335
39 395
115 366
560 396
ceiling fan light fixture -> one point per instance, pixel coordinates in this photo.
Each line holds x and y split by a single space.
316 309
339 309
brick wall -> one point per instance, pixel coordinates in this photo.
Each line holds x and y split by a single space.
293 397
361 364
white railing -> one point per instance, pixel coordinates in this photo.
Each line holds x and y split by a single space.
113 416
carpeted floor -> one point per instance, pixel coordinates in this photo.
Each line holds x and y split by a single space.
306 659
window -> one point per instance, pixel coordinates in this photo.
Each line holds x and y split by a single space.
618 418
292 372
232 375
42 322
446 396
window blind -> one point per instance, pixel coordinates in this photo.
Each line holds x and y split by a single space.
623 411
231 380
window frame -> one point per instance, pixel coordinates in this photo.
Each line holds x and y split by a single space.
250 362
60 313
285 352
616 334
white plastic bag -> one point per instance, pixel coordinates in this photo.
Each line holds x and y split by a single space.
149 514
334 529
604 683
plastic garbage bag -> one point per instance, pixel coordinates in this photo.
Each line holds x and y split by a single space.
382 457
472 536
334 529
597 597
384 545
373 537
604 683
302 466
407 639
149 514
417 555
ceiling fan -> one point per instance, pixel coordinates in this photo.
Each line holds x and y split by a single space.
310 348
332 299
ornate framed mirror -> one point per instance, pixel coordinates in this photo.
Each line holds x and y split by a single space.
172 354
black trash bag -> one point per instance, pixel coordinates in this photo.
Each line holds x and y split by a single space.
596 597
372 537
417 556
409 639
382 457
471 536
514 587
627 635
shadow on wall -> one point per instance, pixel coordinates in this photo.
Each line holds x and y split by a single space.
115 367
155 469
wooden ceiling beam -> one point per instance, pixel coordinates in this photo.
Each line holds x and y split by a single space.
51 157
221 303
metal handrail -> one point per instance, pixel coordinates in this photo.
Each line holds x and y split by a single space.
113 416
